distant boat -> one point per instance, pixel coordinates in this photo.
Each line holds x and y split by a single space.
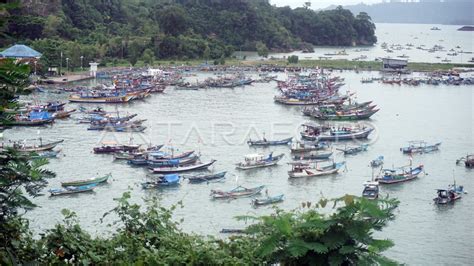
237 192
268 200
354 150
265 142
371 190
194 179
22 147
377 162
445 196
72 190
84 182
435 28
169 170
468 160
309 169
399 175
420 147
258 160
466 28
163 181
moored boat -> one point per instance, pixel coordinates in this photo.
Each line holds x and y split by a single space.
371 190
399 175
265 142
237 192
445 196
267 200
193 167
377 161
163 181
354 150
468 160
311 169
23 147
200 178
420 147
72 190
257 160
84 182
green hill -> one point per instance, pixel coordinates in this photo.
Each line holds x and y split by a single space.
181 29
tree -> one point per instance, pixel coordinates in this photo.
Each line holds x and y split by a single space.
13 79
148 57
207 52
173 20
293 59
262 49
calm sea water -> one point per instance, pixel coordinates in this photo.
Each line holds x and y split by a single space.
217 122
395 33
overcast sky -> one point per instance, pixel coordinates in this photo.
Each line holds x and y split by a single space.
316 4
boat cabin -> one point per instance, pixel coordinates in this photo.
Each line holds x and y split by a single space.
255 157
394 65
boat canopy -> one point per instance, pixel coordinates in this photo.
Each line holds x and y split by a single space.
172 178
39 115
254 157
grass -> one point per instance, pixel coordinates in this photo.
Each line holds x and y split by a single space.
307 63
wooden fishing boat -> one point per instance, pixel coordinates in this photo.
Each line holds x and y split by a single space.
193 167
268 200
63 114
371 190
445 196
310 169
84 182
265 142
311 131
237 192
96 111
420 147
301 147
114 147
377 162
158 156
163 181
354 150
72 190
123 155
22 147
313 155
174 162
366 114
252 161
468 160
351 134
402 174
206 177
99 99
46 154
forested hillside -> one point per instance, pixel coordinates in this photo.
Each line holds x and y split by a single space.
183 29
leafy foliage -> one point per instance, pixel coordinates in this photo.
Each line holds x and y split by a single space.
183 29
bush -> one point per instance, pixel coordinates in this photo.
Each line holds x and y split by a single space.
293 59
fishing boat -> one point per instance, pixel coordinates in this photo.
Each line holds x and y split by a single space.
344 116
468 160
354 150
377 162
113 147
308 146
193 167
346 134
399 175
83 182
417 146
193 179
100 99
237 192
174 162
371 190
158 156
163 181
63 114
445 196
268 200
23 147
72 190
46 154
96 111
258 160
313 155
32 119
265 142
311 169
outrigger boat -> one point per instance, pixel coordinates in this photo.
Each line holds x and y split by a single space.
258 160
72 190
84 182
402 174
311 169
22 147
420 147
169 170
194 179
354 150
265 142
268 200
237 192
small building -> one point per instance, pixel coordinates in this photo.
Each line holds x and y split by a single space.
394 65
